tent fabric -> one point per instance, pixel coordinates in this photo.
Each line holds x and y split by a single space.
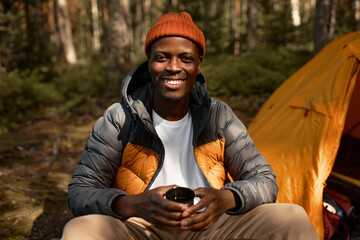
299 127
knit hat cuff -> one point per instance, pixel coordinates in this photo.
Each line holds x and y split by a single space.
171 25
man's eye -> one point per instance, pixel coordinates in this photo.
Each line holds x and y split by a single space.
187 59
160 58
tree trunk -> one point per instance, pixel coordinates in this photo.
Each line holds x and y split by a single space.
48 13
96 28
82 26
357 14
104 15
118 41
252 24
323 16
138 26
147 18
295 13
244 7
308 10
66 42
332 22
234 28
51 24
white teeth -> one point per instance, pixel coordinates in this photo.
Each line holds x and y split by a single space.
173 82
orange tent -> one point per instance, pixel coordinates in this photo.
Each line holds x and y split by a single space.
299 127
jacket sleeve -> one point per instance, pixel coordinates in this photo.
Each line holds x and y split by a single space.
90 190
254 180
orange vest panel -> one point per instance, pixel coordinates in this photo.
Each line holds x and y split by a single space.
139 164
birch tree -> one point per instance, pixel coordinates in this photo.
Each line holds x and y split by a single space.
252 24
295 12
63 27
96 28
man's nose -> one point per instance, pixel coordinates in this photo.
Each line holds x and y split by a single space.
173 65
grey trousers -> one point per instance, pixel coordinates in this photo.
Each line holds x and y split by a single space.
268 221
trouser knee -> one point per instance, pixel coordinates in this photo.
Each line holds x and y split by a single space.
88 227
288 216
72 227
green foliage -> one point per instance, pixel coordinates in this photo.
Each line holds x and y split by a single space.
23 93
12 42
248 80
345 18
275 27
24 42
258 73
80 83
305 33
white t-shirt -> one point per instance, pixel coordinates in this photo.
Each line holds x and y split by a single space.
179 164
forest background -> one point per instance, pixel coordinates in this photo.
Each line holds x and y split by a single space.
62 62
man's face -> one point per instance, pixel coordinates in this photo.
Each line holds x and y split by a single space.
174 63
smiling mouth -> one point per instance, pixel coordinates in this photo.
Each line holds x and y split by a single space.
173 82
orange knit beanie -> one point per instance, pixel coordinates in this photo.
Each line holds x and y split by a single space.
175 24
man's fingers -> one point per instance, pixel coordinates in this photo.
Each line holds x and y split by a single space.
172 206
194 209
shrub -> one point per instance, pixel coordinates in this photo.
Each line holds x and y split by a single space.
22 92
25 92
259 73
80 83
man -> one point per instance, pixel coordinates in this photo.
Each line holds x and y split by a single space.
167 131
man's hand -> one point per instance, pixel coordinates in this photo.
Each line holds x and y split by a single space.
151 206
216 203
